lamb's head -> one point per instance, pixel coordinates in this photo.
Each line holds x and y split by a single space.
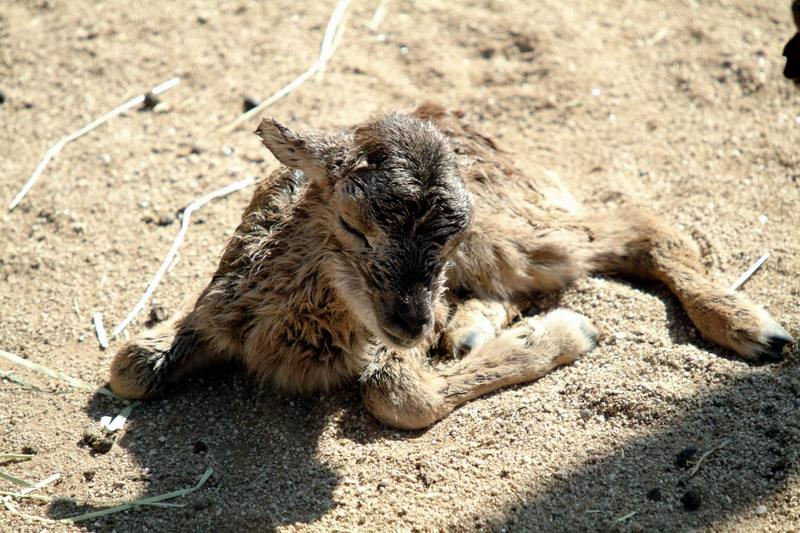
393 202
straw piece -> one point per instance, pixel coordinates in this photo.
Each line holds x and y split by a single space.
56 148
696 467
19 381
16 457
750 271
15 480
43 483
621 519
116 424
658 37
74 382
12 509
153 500
326 51
25 496
187 215
378 15
102 337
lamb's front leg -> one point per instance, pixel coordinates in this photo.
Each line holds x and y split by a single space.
401 390
473 323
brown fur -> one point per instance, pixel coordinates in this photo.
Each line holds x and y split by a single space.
409 237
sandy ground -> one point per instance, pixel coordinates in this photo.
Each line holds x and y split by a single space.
664 104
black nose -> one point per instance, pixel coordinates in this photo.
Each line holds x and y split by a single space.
409 320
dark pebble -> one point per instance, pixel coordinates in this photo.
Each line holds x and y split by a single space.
30 450
684 456
654 495
150 101
202 502
165 219
97 440
200 447
249 103
779 465
89 475
2 97
691 500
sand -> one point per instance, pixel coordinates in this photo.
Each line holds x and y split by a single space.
669 105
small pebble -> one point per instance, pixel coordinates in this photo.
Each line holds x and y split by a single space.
150 101
89 475
165 219
249 103
691 500
654 494
684 456
200 447
2 97
761 510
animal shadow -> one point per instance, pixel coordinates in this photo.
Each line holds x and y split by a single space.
259 444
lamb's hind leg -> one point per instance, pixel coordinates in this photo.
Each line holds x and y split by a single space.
636 243
401 390
143 367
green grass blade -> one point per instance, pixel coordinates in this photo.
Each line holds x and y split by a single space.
16 457
15 480
153 500
75 382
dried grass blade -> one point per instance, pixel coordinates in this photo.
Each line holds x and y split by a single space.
187 215
147 501
74 382
15 480
56 148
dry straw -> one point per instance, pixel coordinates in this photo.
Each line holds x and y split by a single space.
328 45
153 500
750 271
57 147
173 251
330 40
55 374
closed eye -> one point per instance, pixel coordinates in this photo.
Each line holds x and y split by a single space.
354 232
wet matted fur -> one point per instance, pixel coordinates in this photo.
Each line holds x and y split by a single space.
380 246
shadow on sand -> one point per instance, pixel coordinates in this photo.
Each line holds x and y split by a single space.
262 447
755 418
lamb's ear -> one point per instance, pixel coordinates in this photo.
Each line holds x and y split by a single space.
315 153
